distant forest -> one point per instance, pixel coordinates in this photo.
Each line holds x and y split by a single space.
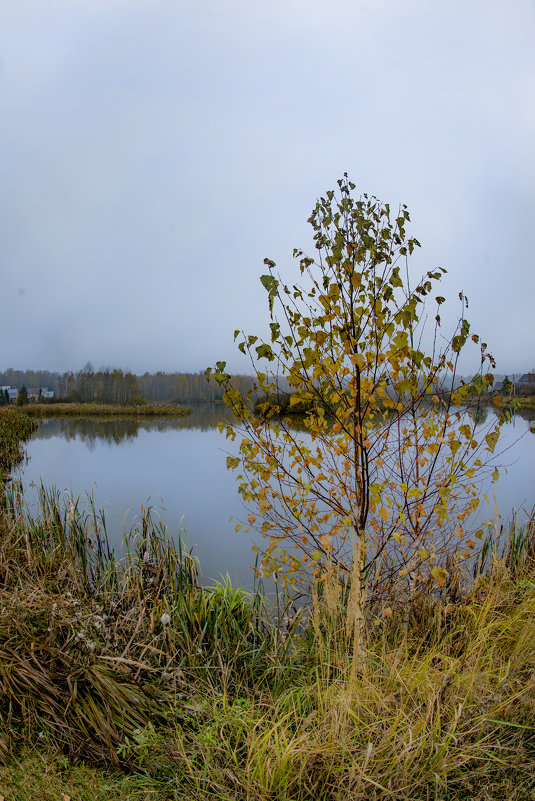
109 385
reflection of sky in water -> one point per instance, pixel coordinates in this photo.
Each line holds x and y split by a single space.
178 470
178 467
515 457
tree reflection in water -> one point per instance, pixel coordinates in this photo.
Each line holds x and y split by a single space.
121 430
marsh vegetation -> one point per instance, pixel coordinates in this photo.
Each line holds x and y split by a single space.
42 411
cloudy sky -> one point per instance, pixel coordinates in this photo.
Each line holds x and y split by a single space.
155 151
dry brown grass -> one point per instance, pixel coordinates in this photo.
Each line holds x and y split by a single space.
41 410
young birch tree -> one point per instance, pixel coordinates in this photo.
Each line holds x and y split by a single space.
379 477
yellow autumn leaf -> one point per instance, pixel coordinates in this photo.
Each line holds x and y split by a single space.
385 513
440 575
358 360
491 440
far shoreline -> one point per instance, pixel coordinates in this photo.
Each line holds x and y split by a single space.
43 410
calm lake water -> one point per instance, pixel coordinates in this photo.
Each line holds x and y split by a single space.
177 466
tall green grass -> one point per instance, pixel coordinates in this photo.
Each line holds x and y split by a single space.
513 545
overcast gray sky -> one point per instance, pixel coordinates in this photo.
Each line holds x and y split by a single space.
155 151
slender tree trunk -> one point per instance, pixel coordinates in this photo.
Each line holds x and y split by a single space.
355 620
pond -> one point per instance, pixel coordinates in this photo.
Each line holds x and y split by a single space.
177 466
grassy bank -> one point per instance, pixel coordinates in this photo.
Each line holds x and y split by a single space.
130 676
42 410
129 680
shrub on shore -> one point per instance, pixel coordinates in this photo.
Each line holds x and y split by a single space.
15 428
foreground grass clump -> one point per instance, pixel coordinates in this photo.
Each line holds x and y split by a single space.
134 679
103 656
41 410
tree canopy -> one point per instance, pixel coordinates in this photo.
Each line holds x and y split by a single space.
380 476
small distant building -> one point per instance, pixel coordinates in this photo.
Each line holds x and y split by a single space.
34 393
526 384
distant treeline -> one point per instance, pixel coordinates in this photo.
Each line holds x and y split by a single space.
108 385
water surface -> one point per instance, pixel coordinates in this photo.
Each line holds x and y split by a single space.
177 466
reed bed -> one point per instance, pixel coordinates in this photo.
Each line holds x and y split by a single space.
43 410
